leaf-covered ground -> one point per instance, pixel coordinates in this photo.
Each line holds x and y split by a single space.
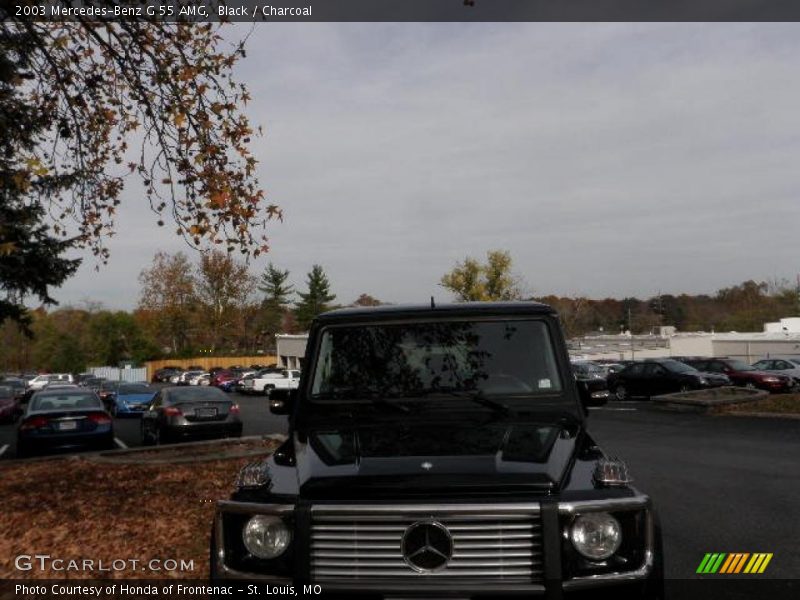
74 508
786 404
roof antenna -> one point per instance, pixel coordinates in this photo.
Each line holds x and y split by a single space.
433 304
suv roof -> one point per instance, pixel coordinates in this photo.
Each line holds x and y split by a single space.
396 311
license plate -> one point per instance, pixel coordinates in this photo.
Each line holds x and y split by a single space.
205 412
67 425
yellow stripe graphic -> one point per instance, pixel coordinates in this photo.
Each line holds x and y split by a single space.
727 563
765 563
740 564
753 564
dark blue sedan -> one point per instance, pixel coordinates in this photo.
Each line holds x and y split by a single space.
64 419
131 399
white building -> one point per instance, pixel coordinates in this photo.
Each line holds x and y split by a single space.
291 348
777 339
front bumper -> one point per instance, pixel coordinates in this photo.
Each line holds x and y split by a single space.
549 583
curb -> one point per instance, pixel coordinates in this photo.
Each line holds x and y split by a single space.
760 415
128 455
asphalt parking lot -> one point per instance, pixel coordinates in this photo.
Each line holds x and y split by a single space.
721 484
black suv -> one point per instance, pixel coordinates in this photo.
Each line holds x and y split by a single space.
438 451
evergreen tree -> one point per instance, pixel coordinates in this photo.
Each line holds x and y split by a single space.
316 300
30 257
274 283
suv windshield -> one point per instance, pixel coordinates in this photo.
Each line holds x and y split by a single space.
413 360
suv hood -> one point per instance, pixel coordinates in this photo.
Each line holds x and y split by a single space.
421 459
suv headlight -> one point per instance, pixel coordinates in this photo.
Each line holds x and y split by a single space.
266 536
597 536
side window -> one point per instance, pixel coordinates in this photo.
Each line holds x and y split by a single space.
781 364
716 366
654 369
636 369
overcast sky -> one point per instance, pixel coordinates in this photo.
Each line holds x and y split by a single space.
609 159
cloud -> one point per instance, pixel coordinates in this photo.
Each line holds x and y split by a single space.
609 159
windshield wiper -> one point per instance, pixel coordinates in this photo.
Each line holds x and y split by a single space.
476 396
374 396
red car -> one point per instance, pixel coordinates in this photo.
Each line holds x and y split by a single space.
742 374
221 376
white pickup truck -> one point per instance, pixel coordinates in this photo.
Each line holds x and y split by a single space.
261 383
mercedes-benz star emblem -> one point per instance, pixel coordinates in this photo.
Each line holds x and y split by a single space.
427 546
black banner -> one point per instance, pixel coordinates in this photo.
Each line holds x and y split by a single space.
405 10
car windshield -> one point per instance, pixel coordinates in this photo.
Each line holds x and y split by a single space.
65 401
740 365
677 366
196 394
135 389
509 357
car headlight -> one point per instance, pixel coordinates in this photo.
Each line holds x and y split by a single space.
597 536
266 536
702 380
771 379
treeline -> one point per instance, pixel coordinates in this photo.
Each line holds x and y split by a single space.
743 307
215 307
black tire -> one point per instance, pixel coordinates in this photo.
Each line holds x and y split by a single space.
685 388
22 451
750 385
621 393
268 389
146 441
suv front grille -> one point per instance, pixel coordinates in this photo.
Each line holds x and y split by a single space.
501 542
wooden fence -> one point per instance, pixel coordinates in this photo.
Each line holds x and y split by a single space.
207 362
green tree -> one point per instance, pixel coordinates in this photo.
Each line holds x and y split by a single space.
274 283
472 281
316 300
30 256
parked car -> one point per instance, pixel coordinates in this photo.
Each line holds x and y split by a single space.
41 381
16 384
654 377
200 379
164 374
10 407
131 399
221 376
784 366
271 379
185 377
178 413
613 366
592 385
93 383
742 374
106 392
64 418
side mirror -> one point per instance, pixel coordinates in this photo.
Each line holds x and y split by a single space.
281 402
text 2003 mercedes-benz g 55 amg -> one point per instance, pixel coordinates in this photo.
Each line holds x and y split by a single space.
439 451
